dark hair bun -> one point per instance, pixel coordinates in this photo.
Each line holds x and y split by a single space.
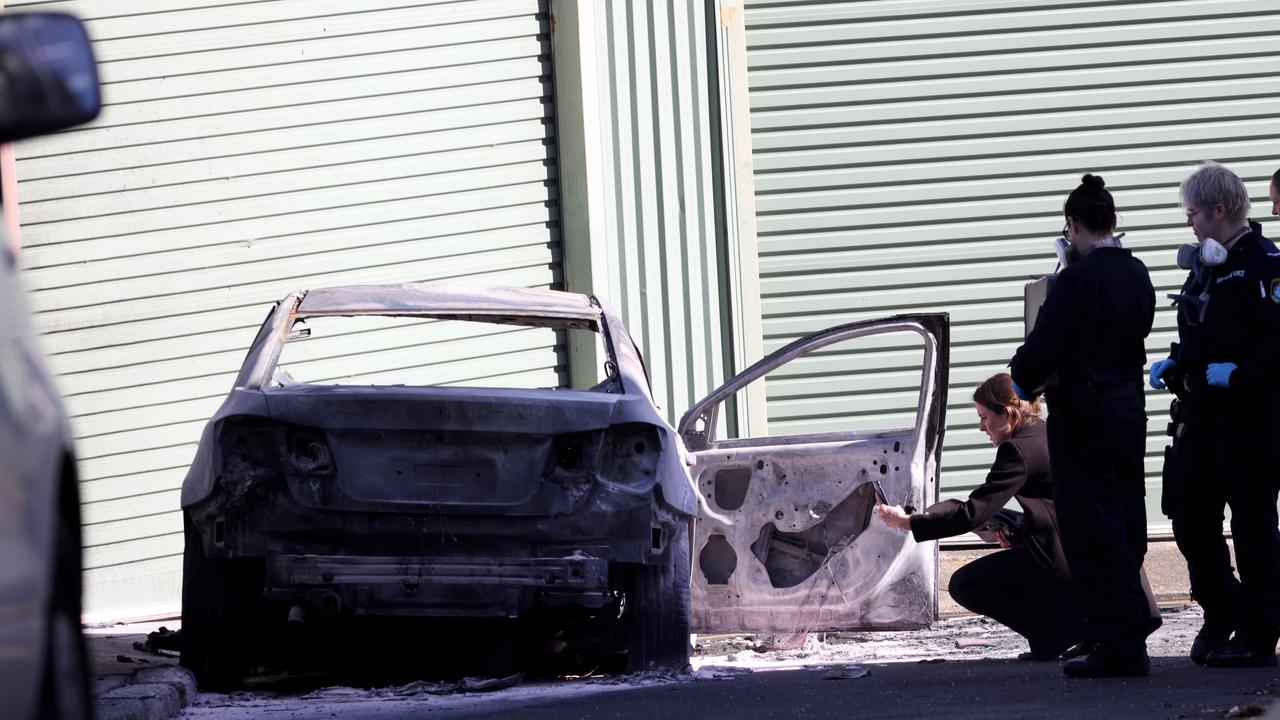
1091 203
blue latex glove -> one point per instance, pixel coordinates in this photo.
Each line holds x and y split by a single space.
1158 369
1021 393
1219 374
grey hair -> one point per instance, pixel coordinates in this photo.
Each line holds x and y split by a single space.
1212 184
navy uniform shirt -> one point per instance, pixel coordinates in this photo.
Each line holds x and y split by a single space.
1241 325
1092 325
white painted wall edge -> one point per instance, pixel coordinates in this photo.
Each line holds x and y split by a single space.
578 118
743 261
138 613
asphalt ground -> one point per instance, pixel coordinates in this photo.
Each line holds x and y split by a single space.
964 667
972 689
968 690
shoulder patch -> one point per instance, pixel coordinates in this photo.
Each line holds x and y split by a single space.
1275 290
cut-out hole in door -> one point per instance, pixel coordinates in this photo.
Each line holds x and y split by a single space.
791 558
717 560
731 487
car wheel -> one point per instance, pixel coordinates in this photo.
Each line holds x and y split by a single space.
655 613
64 686
221 599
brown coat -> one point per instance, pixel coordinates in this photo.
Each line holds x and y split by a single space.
1020 471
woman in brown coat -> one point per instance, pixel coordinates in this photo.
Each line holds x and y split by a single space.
1026 586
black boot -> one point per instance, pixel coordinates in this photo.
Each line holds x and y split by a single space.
1080 649
1210 638
1105 662
1240 651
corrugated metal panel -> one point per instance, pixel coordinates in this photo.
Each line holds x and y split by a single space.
248 149
915 155
662 214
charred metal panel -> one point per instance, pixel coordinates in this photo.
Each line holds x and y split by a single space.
495 304
411 470
806 556
344 412
574 572
786 542
461 409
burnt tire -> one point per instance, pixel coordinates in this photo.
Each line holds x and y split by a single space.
64 683
655 616
221 614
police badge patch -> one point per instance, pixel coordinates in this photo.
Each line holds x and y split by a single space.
1275 290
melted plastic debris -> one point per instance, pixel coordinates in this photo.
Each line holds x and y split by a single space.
844 672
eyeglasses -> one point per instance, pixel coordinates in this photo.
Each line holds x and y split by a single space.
1066 229
1192 213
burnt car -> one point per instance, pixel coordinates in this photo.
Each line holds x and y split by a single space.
321 495
319 500
48 81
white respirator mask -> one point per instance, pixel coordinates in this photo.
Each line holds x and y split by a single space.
1066 254
1210 253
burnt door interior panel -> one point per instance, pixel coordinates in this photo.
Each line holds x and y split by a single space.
786 541
790 558
796 549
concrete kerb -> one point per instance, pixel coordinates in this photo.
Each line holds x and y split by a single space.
151 701
152 693
131 684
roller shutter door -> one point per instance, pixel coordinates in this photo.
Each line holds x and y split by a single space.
914 156
248 149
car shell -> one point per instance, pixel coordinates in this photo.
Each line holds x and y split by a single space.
331 501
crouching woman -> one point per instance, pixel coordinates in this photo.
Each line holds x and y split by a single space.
1026 586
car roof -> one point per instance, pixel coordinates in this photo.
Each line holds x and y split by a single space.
488 303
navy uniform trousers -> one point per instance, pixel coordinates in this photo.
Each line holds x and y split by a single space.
1216 463
1096 456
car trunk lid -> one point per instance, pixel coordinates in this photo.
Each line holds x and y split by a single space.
434 449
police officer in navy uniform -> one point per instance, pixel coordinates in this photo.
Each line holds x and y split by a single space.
1087 351
1226 450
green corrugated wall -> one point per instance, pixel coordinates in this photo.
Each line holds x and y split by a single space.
246 150
657 216
914 155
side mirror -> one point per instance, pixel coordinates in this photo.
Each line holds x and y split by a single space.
48 77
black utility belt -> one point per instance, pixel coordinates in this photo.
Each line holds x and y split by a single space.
1100 390
1107 391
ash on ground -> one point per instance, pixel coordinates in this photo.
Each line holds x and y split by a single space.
845 657
962 638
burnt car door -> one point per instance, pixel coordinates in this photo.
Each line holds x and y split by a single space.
786 541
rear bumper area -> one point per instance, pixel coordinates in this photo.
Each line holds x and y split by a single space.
272 525
573 573
471 586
